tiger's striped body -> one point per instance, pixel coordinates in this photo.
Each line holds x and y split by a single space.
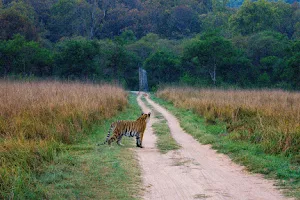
128 128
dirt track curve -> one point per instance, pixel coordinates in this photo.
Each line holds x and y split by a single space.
195 171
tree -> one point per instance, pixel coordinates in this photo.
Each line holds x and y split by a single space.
293 63
42 9
208 53
219 5
283 18
213 55
77 58
236 69
75 18
296 21
19 56
18 17
263 80
162 67
119 19
183 21
267 43
293 68
151 43
262 15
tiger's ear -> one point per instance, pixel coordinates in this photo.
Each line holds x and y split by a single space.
142 114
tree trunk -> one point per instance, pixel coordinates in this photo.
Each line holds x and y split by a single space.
213 73
93 21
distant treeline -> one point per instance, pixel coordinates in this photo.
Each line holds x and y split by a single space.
183 42
238 3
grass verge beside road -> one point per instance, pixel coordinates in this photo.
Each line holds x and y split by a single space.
87 171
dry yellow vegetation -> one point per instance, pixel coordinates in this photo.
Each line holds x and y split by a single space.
36 117
270 118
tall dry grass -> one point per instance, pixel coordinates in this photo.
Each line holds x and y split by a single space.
270 118
35 117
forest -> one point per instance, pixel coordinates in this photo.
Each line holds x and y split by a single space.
245 44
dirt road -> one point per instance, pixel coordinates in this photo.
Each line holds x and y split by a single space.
195 171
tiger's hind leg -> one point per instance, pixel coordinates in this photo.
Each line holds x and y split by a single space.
113 138
112 126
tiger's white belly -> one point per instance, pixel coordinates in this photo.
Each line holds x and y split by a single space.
131 133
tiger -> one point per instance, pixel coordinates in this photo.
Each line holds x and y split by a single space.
128 128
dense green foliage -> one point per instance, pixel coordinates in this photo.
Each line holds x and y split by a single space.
186 41
212 54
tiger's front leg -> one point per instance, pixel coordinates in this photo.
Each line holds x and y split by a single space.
139 141
119 140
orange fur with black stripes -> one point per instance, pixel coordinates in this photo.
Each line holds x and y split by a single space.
128 128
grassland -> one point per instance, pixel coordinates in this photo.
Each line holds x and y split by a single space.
38 118
268 118
165 142
247 125
87 171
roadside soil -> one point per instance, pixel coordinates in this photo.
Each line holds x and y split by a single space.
195 171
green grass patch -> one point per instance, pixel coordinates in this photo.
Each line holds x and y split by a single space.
165 142
87 171
248 154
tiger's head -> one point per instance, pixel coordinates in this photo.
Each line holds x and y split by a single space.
145 117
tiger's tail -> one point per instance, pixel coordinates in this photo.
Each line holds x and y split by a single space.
112 126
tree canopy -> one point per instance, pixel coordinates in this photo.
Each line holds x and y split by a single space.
230 42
